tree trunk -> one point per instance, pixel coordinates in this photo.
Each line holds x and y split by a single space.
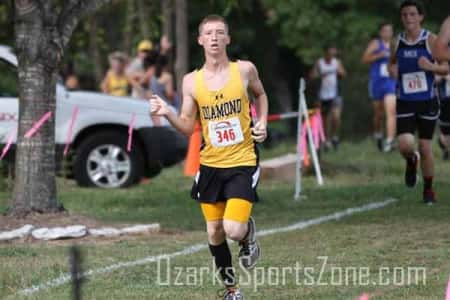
94 50
35 185
143 17
275 74
182 42
167 27
128 31
167 18
41 35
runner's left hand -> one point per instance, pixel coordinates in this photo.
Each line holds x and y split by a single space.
259 132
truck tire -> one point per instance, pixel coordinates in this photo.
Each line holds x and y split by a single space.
102 160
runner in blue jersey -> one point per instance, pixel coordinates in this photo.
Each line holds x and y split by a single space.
417 105
441 51
381 86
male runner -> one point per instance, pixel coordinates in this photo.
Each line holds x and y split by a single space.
443 85
329 68
417 105
381 86
441 51
225 185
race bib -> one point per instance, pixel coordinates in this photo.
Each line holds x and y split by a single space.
225 133
384 70
414 82
447 88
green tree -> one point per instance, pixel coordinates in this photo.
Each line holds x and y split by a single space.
307 26
42 33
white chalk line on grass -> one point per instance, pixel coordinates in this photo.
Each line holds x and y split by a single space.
65 278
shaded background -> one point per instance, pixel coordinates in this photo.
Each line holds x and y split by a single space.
283 38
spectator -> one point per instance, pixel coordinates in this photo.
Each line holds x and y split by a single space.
72 83
69 76
136 72
164 46
149 74
161 83
149 65
116 82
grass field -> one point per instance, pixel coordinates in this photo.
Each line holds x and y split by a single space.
371 252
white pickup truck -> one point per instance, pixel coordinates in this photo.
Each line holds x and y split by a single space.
98 147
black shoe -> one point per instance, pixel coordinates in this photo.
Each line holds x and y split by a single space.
335 142
379 142
411 171
429 197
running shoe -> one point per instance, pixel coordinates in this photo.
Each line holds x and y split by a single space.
335 141
250 250
379 142
429 197
231 293
411 170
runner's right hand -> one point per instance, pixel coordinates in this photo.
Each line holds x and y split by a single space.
425 64
158 107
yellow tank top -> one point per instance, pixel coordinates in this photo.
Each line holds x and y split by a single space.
117 85
226 122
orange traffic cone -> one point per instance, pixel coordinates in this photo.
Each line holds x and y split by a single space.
192 162
306 159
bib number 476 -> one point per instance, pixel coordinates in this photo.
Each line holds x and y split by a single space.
414 82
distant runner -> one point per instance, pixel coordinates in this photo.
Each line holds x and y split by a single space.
381 86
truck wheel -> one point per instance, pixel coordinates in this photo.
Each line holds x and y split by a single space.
102 160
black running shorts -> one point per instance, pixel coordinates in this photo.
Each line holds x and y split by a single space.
213 185
417 115
326 106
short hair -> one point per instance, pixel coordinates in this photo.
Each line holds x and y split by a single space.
161 62
416 3
150 59
382 24
212 18
329 46
118 56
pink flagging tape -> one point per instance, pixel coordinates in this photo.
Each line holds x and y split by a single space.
364 297
304 147
320 121
316 133
70 132
130 132
447 295
9 142
38 125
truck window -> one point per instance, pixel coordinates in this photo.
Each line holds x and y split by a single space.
8 80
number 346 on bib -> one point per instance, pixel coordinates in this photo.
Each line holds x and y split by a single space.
225 133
